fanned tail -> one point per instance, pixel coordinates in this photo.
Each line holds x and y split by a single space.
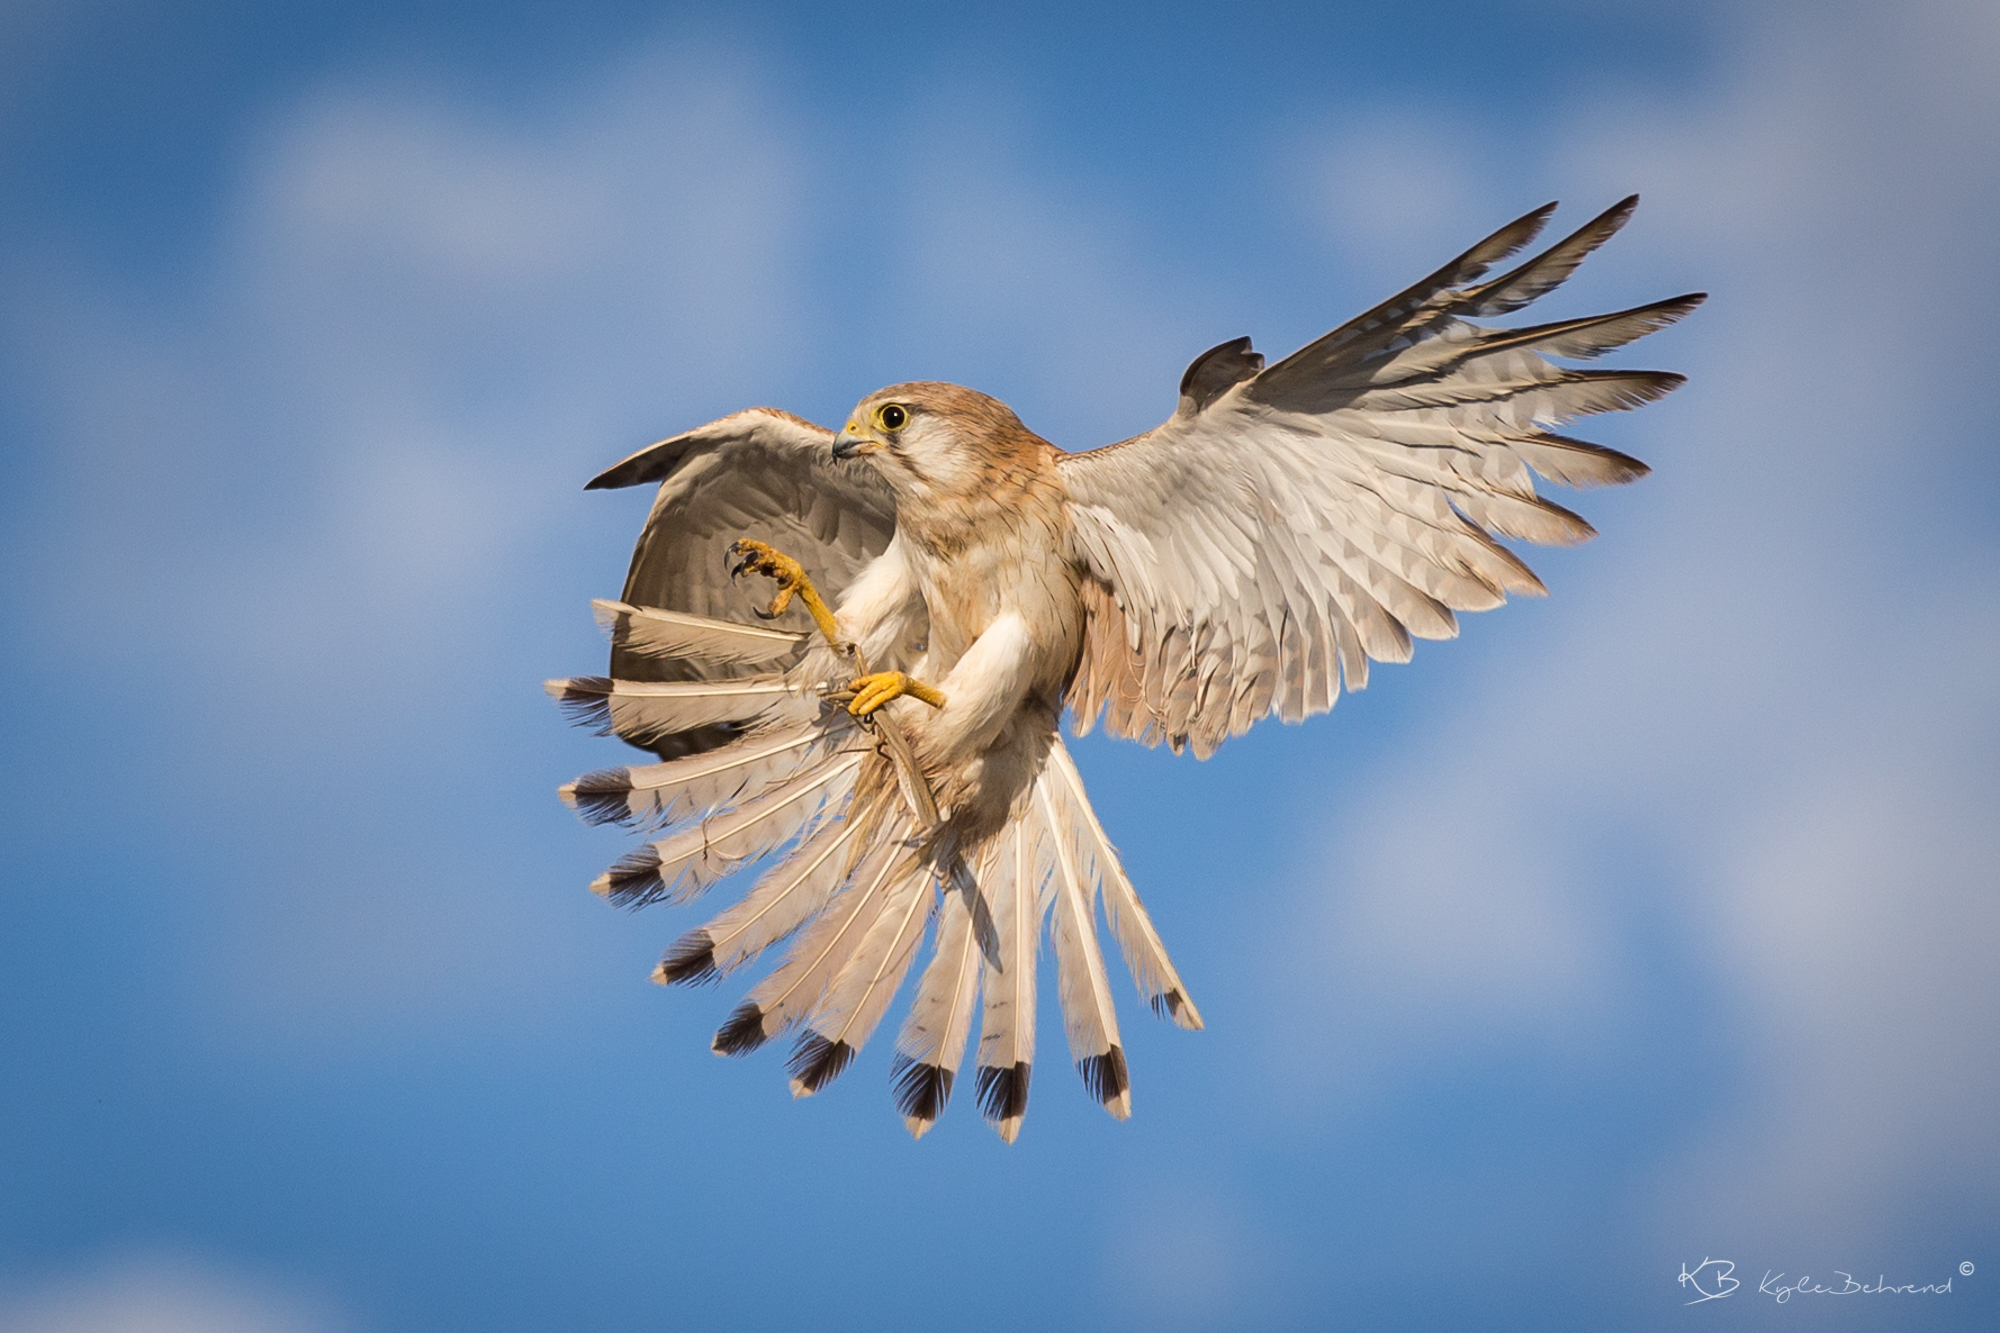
860 878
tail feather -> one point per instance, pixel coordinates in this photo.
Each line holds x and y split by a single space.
661 794
860 992
1145 954
1089 1018
790 894
790 992
1007 1026
651 632
861 875
645 712
933 1038
680 867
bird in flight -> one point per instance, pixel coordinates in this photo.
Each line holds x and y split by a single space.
883 739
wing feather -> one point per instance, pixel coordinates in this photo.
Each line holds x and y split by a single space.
763 474
1291 523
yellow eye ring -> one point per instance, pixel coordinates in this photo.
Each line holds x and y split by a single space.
892 416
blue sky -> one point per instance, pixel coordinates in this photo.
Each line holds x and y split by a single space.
1649 923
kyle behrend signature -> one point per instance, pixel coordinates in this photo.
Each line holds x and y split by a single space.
1710 1280
1773 1286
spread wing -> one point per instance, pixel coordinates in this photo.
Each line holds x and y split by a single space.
1288 524
760 473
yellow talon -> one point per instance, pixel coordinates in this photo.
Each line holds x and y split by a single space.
757 558
872 691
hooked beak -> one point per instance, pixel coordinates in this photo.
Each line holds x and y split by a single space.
847 444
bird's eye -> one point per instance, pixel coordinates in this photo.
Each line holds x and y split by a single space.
892 416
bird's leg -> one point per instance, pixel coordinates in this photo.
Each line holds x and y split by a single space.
872 690
755 557
877 688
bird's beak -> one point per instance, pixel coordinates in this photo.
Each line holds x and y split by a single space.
850 442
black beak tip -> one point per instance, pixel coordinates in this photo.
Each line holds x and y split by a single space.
844 448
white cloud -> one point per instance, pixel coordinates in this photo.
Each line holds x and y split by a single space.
1780 669
322 476
163 1294
288 497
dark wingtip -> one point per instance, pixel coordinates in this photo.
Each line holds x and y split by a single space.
1502 243
584 700
1216 371
921 1088
742 1033
633 880
816 1062
1613 219
1105 1075
618 476
1003 1092
1677 307
649 464
689 961
603 797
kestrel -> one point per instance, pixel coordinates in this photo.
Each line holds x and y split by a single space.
948 584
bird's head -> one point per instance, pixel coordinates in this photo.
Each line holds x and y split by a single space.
938 438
